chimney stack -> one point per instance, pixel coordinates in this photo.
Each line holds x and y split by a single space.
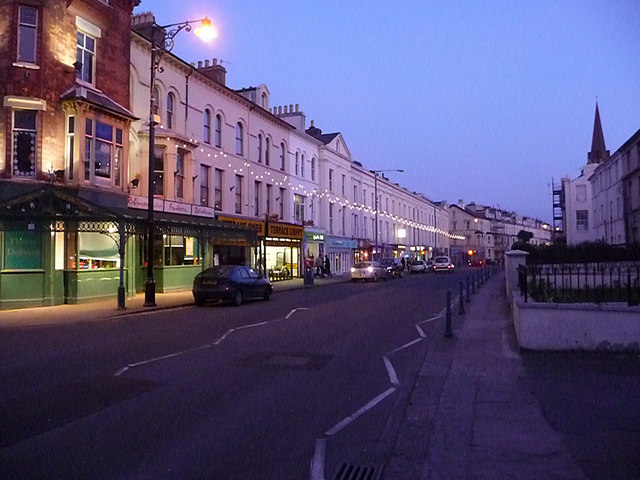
214 71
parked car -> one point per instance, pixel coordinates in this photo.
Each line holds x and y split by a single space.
443 264
418 266
368 271
393 266
234 283
476 262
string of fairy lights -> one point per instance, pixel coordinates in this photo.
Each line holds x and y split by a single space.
259 172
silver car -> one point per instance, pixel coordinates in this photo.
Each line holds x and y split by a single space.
443 264
368 271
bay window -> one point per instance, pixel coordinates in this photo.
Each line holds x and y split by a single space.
103 153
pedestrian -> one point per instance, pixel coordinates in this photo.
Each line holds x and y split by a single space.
404 263
327 266
319 266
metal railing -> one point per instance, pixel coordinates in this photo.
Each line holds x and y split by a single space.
588 282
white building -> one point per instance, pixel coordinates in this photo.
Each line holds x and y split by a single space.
578 194
228 155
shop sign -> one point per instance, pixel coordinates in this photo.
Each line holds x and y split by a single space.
256 225
344 243
143 203
175 207
285 230
314 237
203 211
22 250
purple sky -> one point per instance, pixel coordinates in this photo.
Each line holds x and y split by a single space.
484 100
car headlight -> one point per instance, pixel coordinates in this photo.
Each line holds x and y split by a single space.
369 269
353 269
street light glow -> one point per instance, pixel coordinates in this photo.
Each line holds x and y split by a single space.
205 31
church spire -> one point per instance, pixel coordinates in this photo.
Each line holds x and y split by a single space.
599 152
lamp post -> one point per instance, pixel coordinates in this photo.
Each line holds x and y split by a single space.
206 32
375 194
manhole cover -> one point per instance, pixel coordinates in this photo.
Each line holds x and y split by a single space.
289 360
303 361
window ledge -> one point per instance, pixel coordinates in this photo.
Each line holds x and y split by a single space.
28 65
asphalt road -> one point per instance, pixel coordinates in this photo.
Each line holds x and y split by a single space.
292 388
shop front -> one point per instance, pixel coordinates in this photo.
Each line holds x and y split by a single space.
283 251
314 249
340 251
278 254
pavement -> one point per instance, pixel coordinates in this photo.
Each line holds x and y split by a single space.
480 408
103 309
483 409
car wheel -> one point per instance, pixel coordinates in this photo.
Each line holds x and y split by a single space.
199 300
267 294
237 298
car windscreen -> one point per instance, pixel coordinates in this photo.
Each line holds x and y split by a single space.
362 265
442 260
218 272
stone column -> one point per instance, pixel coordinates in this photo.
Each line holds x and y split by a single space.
513 259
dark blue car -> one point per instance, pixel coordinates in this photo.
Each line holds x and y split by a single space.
232 283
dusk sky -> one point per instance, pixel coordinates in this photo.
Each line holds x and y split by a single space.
484 101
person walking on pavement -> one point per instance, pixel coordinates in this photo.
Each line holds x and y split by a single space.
327 266
319 266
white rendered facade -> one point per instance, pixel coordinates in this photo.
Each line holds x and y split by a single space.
228 154
579 206
608 209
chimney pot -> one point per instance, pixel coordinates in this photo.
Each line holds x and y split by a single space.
215 62
291 107
206 64
297 107
199 64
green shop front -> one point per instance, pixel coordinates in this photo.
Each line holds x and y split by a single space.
57 247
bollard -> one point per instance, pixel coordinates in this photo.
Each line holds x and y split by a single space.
473 283
448 331
461 300
467 298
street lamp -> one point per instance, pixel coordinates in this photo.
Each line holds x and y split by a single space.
166 34
375 188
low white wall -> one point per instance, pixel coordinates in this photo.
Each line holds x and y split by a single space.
575 326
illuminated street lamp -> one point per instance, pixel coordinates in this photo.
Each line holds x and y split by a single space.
375 188
166 34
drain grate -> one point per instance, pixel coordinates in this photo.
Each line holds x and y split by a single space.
347 471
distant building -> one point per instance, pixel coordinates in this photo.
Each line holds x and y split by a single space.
489 232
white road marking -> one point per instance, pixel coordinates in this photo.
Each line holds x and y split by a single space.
217 342
157 359
294 311
317 462
393 377
407 345
343 423
251 325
